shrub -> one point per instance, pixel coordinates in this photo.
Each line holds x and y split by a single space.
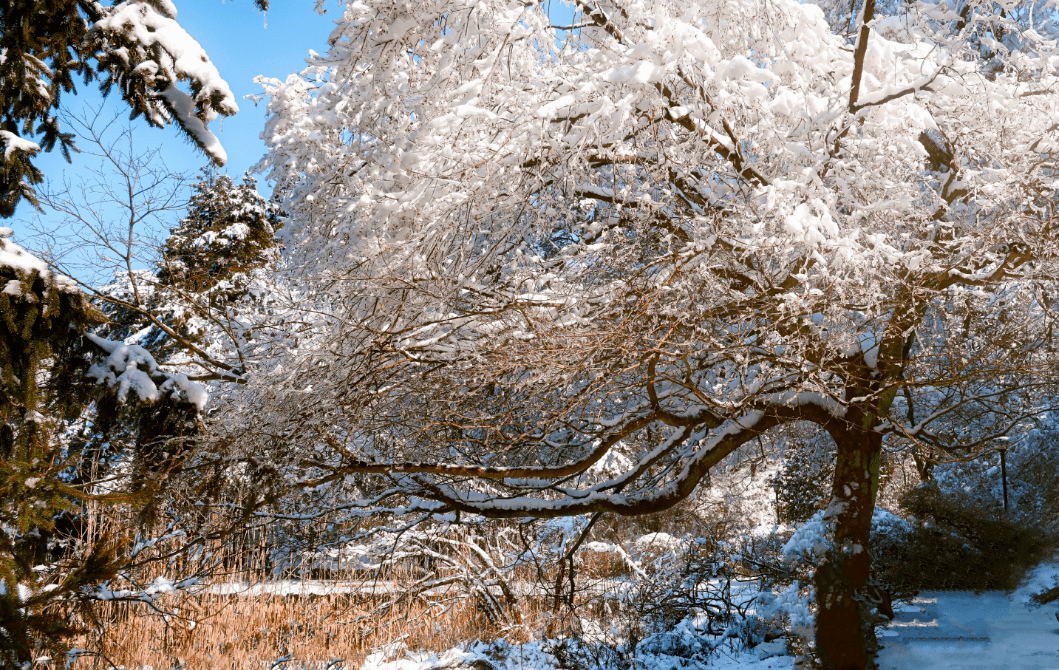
803 485
955 541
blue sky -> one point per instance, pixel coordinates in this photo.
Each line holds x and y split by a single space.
242 46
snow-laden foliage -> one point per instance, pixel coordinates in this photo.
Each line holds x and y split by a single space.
228 232
670 226
146 53
136 46
632 224
131 368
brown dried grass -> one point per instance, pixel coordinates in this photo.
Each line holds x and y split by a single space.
240 632
254 632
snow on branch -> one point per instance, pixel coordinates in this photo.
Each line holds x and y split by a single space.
13 143
183 106
130 368
710 447
147 37
599 450
24 263
891 93
800 398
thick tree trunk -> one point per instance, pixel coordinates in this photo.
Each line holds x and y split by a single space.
842 640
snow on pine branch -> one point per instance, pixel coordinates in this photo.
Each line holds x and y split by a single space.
24 263
13 143
147 38
183 105
130 368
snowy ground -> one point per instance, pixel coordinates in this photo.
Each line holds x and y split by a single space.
540 656
946 630
959 629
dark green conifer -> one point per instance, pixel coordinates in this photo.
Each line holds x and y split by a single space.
53 378
45 47
42 357
803 486
229 230
208 263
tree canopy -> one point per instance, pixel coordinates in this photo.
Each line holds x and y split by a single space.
662 229
629 222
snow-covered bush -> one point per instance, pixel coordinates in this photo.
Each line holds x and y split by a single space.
728 589
1032 456
957 533
1033 473
954 540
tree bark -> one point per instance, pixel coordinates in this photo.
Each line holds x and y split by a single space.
843 639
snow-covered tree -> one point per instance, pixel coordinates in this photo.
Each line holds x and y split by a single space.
662 228
135 46
188 293
229 231
198 309
57 376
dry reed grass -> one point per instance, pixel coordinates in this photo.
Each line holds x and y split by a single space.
213 632
237 632
244 632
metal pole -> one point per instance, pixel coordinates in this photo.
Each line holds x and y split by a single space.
1004 475
776 490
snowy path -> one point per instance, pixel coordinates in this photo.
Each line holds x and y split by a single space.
959 629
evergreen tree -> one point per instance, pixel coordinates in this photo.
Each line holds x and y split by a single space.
54 374
135 46
803 483
229 231
41 320
210 261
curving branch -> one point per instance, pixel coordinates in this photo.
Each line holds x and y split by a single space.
714 448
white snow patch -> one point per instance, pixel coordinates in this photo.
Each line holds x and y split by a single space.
811 223
131 368
643 72
188 390
13 287
14 256
184 107
25 263
657 542
961 629
13 143
236 231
